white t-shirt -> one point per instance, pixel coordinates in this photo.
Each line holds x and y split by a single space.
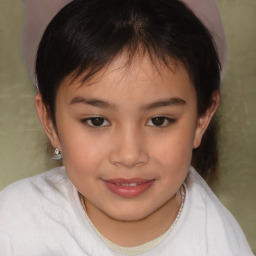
42 216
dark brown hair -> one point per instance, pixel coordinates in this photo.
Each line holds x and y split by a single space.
87 35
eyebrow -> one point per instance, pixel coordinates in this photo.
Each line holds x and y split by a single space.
103 104
93 102
165 103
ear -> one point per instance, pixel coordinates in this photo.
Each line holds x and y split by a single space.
46 121
204 120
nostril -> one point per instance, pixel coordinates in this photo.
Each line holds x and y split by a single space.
129 160
128 149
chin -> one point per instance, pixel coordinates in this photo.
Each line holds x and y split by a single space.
130 214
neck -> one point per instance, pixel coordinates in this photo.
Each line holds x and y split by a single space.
134 233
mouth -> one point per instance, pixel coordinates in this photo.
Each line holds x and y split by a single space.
128 187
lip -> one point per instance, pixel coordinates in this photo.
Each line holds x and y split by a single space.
128 187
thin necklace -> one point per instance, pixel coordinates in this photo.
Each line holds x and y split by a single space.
146 246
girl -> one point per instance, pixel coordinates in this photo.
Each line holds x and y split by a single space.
127 90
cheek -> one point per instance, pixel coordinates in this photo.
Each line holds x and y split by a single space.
82 163
82 154
174 152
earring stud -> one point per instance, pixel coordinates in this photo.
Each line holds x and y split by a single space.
57 155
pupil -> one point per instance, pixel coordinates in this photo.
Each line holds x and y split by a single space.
158 121
97 121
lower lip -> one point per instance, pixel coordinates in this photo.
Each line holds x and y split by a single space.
126 191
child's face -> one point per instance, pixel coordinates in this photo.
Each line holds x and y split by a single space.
127 137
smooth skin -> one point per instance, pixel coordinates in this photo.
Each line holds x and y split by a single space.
135 121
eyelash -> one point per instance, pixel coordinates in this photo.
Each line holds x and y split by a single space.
88 121
167 121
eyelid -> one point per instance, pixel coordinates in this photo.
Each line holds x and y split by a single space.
88 122
169 121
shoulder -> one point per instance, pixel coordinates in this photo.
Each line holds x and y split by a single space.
222 231
35 184
27 197
38 215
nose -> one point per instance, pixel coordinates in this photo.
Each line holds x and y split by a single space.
129 149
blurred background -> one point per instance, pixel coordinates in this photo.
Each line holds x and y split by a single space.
23 145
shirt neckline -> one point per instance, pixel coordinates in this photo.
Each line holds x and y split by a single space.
136 249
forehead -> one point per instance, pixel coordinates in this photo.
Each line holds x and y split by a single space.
131 79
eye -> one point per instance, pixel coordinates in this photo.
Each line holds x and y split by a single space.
96 121
160 121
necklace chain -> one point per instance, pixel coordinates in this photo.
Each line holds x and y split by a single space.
148 245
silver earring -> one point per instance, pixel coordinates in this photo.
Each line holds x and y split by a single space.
57 155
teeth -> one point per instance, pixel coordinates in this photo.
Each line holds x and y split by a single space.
133 184
129 184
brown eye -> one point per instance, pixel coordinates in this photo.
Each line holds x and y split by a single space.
96 121
160 121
